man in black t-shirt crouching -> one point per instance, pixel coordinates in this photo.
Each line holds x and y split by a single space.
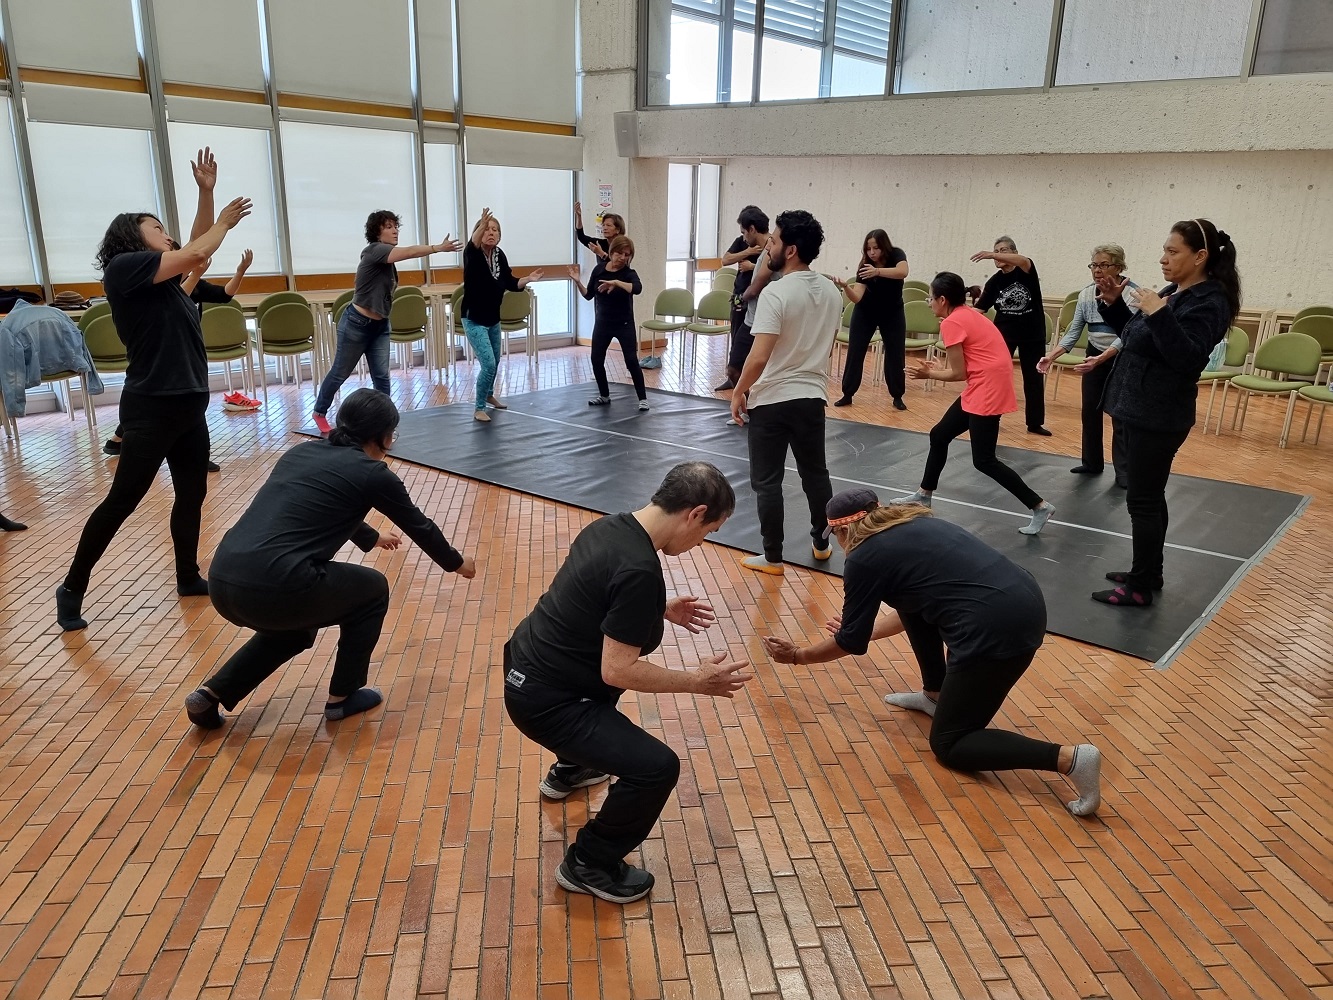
569 661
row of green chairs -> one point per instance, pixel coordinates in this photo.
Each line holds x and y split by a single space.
1292 361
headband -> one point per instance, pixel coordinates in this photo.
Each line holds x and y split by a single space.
1204 232
838 522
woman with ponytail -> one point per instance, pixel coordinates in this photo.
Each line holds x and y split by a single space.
274 571
1152 388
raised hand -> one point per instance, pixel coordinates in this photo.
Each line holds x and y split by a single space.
982 255
867 271
450 245
690 613
578 214
719 677
597 251
234 211
1110 287
535 275
389 541
842 285
205 169
247 259
576 272
1148 301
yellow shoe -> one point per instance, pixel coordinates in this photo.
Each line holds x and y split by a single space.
761 565
496 403
481 415
823 555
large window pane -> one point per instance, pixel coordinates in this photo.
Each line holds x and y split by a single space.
974 45
742 65
1296 36
86 176
1109 43
790 71
854 77
244 168
705 214
553 301
331 190
693 76
442 200
535 208
15 254
680 210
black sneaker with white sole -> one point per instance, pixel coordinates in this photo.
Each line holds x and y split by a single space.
624 885
562 780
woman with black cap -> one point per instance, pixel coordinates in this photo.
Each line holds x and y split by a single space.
274 571
945 587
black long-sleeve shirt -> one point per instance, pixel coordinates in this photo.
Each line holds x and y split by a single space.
483 291
1155 379
616 307
590 241
313 503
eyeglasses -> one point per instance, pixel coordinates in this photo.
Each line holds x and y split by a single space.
393 440
1102 267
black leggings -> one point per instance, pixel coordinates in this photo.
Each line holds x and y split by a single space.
892 328
156 428
1030 351
596 735
355 598
970 694
1149 455
602 335
984 432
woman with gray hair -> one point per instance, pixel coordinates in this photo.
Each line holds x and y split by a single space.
1108 263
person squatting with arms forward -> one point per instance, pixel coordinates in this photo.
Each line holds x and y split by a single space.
570 660
274 570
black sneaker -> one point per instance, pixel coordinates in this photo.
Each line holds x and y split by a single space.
214 467
562 780
112 447
624 885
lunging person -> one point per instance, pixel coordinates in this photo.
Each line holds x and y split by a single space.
612 287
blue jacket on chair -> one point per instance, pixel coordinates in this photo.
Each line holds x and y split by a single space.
37 341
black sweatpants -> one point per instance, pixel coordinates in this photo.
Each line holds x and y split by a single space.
354 598
1148 467
602 335
797 424
1030 351
157 428
984 432
970 694
596 735
741 342
892 326
1094 385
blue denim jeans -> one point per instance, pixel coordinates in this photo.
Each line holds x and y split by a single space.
357 335
485 341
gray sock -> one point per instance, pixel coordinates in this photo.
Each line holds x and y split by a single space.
915 700
1040 516
920 496
360 700
1086 774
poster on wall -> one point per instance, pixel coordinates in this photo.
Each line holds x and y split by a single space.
603 203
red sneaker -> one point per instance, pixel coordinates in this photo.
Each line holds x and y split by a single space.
322 422
238 402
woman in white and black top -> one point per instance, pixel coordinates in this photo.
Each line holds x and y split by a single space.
364 327
486 278
1015 292
1108 264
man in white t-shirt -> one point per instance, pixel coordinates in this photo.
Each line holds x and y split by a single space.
786 377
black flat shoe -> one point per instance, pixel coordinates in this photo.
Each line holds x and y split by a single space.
845 401
1041 431
898 403
1083 470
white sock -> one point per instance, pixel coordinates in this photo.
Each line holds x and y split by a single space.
1040 515
915 700
1086 774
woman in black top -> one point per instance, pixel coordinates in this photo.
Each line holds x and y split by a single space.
164 398
878 294
274 571
1015 292
944 587
612 226
1151 390
612 287
364 326
486 278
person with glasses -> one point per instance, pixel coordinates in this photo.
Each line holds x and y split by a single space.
1015 292
364 326
1108 264
975 353
274 571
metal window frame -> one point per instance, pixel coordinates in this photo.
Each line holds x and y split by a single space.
892 74
23 153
